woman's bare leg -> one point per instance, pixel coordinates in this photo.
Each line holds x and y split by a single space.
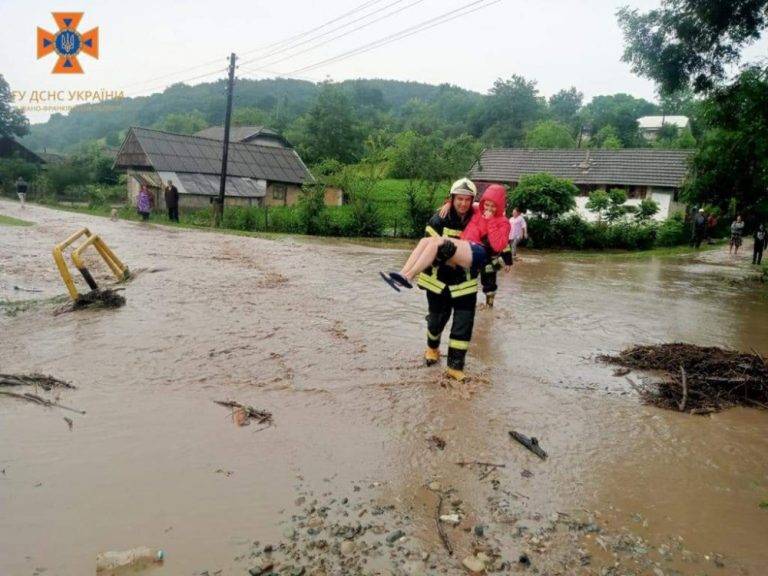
416 253
427 251
422 257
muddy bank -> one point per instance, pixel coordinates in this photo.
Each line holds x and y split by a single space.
307 333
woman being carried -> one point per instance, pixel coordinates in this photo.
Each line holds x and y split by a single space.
485 236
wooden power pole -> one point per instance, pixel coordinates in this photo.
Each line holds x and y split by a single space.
219 208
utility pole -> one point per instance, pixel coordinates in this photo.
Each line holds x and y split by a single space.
219 208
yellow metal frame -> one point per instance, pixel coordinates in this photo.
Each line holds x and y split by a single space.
119 269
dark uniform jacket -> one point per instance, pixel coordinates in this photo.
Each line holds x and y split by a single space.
437 279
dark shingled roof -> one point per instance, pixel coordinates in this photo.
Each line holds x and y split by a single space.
165 152
627 167
240 133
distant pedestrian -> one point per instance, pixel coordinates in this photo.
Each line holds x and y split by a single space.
21 191
172 201
737 230
699 228
144 202
761 240
711 226
518 231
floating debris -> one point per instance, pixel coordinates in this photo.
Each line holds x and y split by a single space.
697 379
243 414
43 381
106 298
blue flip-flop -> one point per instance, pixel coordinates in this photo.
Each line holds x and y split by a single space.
400 279
389 281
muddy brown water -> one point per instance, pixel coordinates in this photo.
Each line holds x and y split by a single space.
305 329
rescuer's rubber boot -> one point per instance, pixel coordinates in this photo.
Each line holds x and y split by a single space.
456 374
432 356
489 299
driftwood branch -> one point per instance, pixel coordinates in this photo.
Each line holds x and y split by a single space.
46 382
35 399
440 527
684 384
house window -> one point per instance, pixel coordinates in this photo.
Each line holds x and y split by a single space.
279 191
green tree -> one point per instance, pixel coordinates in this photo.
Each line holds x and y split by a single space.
607 137
565 104
183 123
459 154
510 105
616 208
420 204
311 208
732 160
647 209
543 194
416 156
367 220
12 121
249 116
690 42
620 111
11 169
549 134
331 128
598 203
672 137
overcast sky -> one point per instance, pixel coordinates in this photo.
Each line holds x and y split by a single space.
146 45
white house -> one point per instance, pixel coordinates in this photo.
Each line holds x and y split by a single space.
640 172
651 125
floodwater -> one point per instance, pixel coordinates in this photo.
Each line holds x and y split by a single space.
305 329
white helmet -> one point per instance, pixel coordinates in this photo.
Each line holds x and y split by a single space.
464 187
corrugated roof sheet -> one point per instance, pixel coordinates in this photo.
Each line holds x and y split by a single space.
628 167
208 185
166 152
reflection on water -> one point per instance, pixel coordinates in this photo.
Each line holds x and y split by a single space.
308 331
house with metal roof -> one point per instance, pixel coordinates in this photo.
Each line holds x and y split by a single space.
256 175
252 134
641 172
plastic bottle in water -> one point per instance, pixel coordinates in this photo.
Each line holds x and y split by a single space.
141 557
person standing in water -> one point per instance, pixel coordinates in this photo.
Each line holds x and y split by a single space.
483 238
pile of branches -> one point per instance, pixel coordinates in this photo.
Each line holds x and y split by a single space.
698 379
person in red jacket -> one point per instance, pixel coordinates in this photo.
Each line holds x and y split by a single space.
486 236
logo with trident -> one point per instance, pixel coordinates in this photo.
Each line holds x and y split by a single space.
67 42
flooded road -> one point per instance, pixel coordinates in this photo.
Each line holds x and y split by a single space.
305 329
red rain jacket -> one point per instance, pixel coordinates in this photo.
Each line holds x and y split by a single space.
491 232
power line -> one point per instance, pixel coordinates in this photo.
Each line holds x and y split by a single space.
363 6
425 25
151 88
276 74
380 18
